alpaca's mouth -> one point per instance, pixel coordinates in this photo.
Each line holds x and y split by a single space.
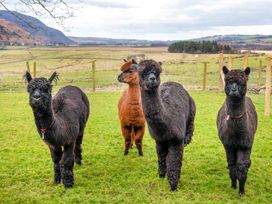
36 102
152 85
36 99
234 94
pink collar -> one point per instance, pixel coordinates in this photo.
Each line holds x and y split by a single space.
229 117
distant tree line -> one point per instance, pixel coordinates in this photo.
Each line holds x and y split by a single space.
199 47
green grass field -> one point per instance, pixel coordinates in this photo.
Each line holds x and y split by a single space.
106 176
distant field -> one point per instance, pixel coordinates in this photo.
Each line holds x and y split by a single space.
74 66
106 176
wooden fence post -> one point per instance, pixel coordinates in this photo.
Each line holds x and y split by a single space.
35 71
245 61
260 72
220 76
27 66
93 75
230 62
268 87
204 76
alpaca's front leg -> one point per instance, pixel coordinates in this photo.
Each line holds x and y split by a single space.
231 154
243 164
174 163
126 131
67 165
162 150
56 157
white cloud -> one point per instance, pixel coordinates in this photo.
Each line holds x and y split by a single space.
165 19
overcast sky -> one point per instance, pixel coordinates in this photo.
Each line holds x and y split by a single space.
165 19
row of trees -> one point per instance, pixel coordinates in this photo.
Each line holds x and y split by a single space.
199 47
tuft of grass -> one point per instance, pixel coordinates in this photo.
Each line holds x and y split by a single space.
106 176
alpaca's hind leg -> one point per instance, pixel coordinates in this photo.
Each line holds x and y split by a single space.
126 131
231 154
67 165
78 149
56 157
174 163
162 151
139 134
243 164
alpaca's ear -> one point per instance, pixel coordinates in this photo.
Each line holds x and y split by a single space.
160 63
54 77
27 77
125 60
225 70
247 71
134 61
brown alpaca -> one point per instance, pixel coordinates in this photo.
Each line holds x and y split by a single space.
130 108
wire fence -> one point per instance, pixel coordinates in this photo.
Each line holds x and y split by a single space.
99 71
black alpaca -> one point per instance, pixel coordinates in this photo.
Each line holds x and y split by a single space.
169 112
60 122
237 124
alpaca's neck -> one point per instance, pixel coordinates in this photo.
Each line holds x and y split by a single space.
152 106
235 107
43 118
134 94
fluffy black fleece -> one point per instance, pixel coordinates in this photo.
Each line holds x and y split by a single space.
60 122
169 112
237 124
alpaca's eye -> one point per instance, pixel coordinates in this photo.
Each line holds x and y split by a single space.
44 89
30 88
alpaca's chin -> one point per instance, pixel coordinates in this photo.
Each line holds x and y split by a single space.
235 97
38 105
151 87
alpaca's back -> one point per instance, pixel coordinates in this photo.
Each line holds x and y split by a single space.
71 106
179 106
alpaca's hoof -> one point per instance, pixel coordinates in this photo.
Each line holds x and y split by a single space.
69 185
162 175
78 161
141 153
125 152
241 193
174 188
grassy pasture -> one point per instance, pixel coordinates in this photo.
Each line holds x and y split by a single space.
74 66
26 170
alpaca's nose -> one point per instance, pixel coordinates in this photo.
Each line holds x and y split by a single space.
234 87
36 95
120 78
152 77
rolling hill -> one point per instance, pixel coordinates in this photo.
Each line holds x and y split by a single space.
26 29
88 41
242 42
